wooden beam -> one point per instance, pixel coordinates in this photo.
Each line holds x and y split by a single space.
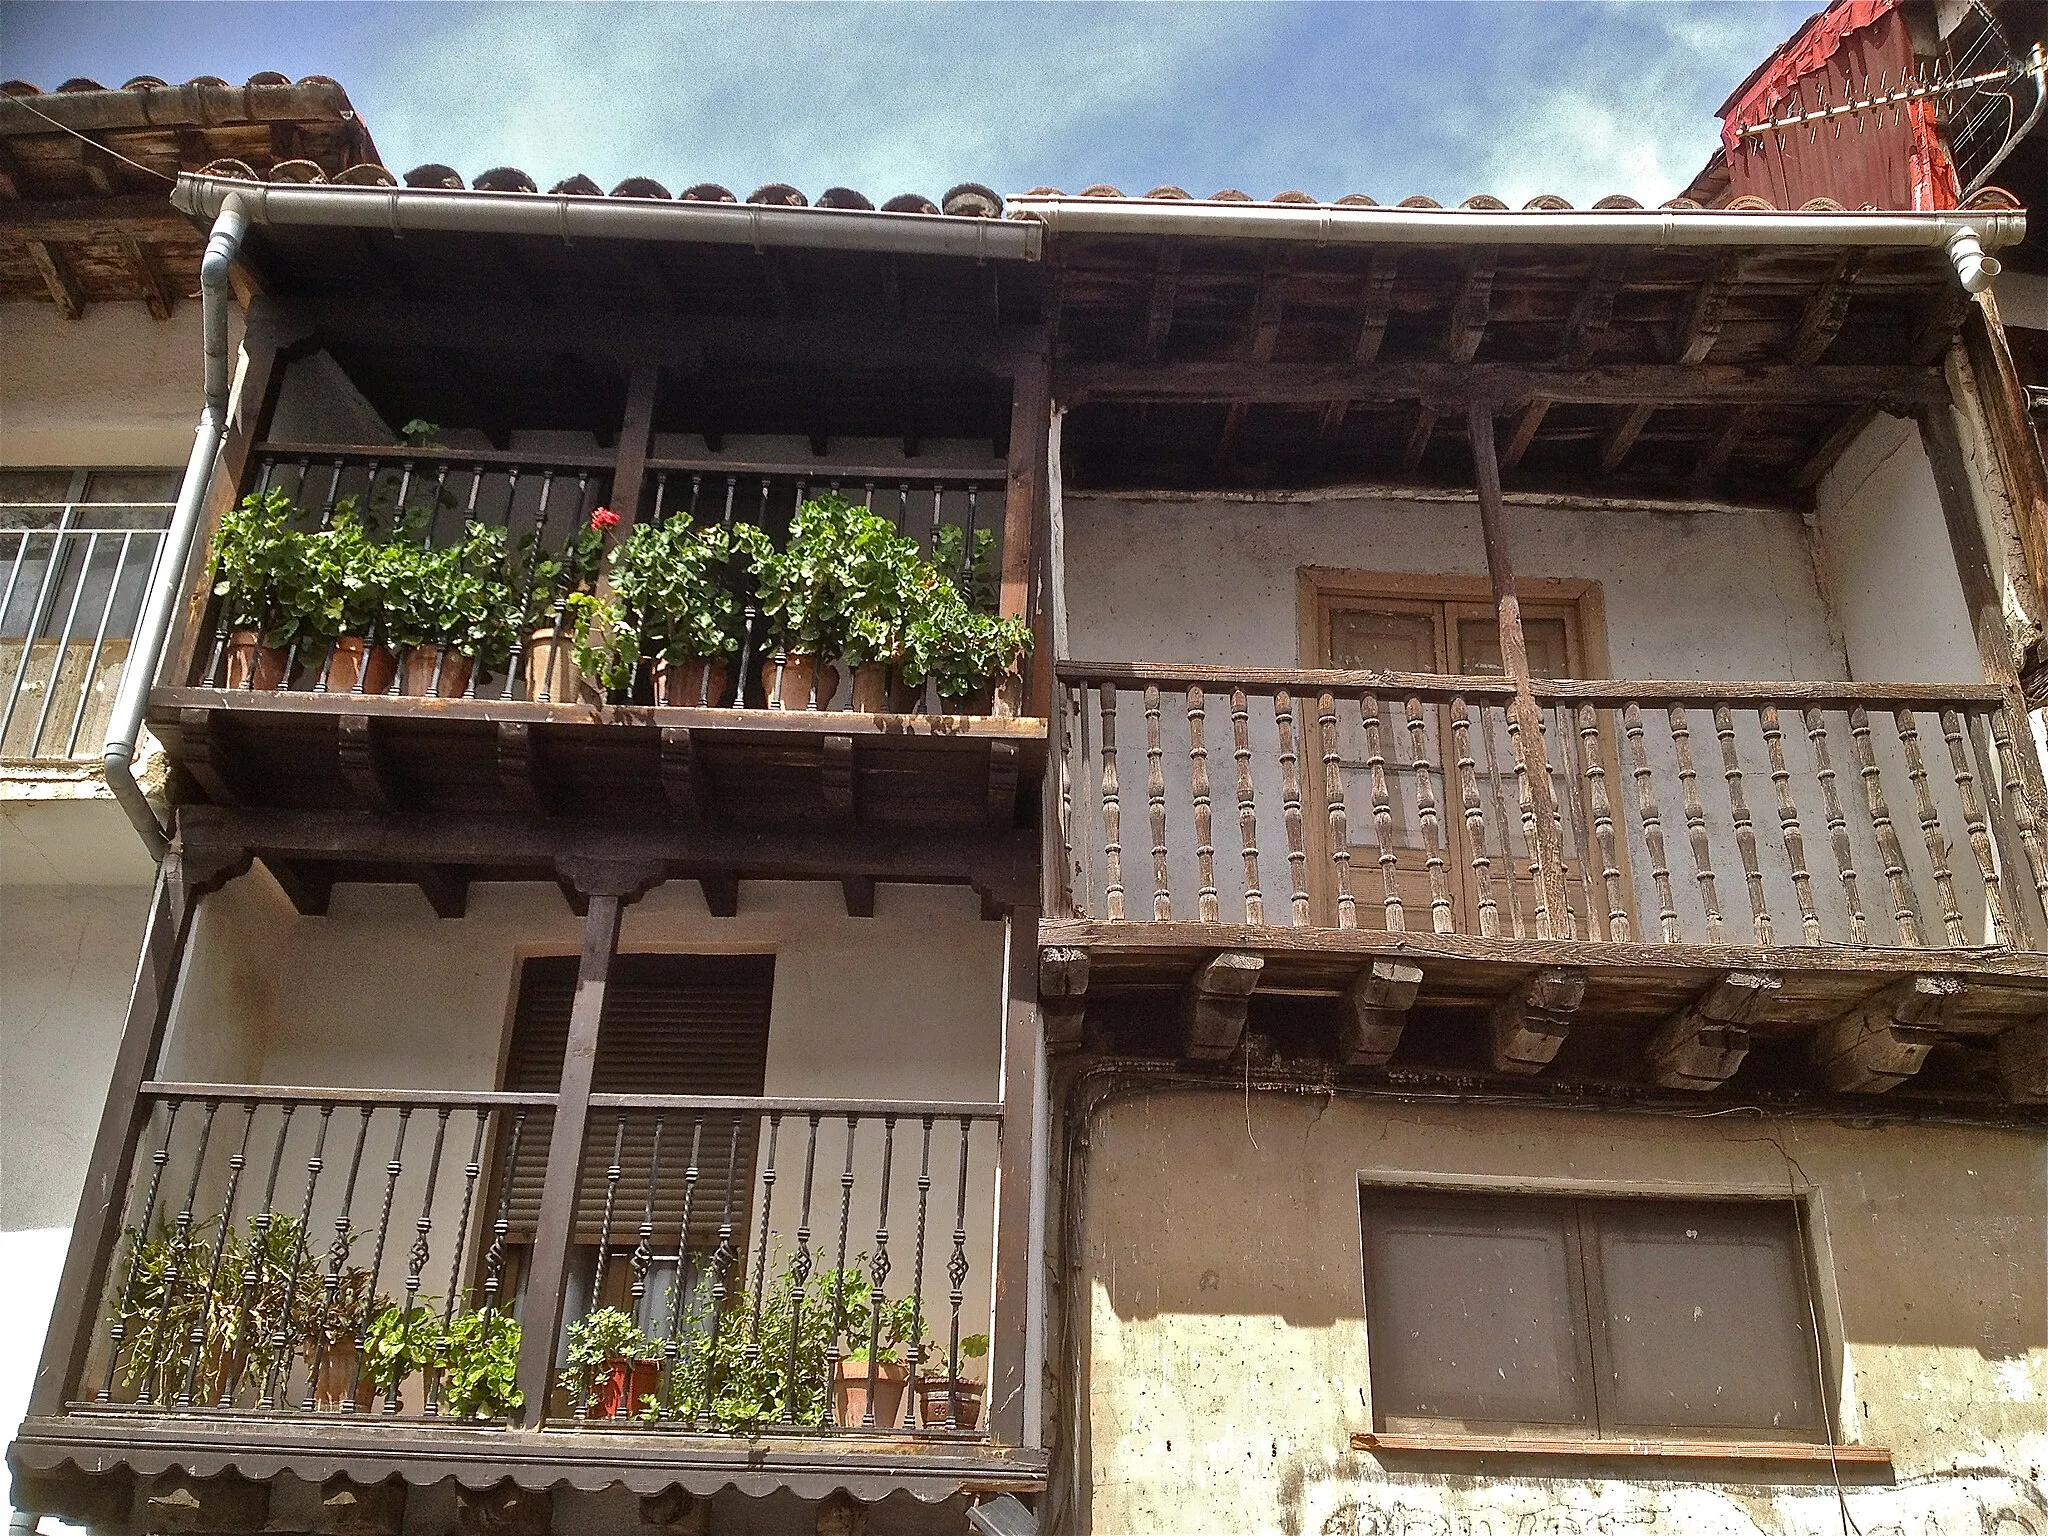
149 276
355 752
835 769
1504 385
97 165
682 774
1848 426
446 891
1473 306
721 894
1701 327
1884 1039
1714 457
636 437
1017 1336
1622 437
555 1227
145 215
1063 994
2003 398
1593 311
516 768
310 891
1701 1045
199 751
1159 309
1526 426
1214 1002
1233 423
1524 714
1376 302
57 278
1331 421
1002 783
1269 310
1821 320
1530 1023
1375 1011
1418 439
1030 422
858 892
2023 1062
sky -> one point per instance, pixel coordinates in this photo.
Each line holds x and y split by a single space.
1442 97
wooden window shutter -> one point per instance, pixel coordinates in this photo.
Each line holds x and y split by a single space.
683 1024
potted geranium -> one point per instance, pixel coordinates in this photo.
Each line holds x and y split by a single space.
953 1401
259 576
402 1340
802 599
342 602
675 607
870 1374
885 585
479 1364
554 585
448 609
967 654
612 1364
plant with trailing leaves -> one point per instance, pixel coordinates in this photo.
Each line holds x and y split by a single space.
799 586
259 567
545 577
963 650
459 595
479 1365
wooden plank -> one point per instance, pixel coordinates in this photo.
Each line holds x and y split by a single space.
1452 386
1884 1039
1622 436
1700 1047
58 278
1214 1002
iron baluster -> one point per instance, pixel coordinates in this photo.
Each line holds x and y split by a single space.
278 1376
913 1356
722 1259
800 1270
252 1273
614 1170
471 1172
99 643
878 1267
393 1167
832 1350
416 1258
956 1276
174 1268
35 739
643 1250
761 1261
678 1290
119 1330
337 1255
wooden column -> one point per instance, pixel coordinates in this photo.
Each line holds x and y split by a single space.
1024 531
553 1231
1016 1343
636 436
96 1230
1514 655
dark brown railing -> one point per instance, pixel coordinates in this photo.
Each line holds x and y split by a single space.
1686 813
762 1264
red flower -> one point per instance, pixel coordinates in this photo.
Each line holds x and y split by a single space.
604 517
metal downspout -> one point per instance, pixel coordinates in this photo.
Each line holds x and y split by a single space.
124 730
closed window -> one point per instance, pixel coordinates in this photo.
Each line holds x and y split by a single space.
1590 1318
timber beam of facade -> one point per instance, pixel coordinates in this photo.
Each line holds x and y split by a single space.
1375 1012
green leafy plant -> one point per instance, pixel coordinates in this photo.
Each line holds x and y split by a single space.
546 577
885 587
459 595
259 567
977 580
960 649
420 433
479 1364
401 1342
799 586
674 582
596 1340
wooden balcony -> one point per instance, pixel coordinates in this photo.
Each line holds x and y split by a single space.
1667 877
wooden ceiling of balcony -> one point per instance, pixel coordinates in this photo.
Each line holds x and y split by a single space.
1676 373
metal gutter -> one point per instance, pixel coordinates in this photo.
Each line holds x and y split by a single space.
1966 235
406 210
124 729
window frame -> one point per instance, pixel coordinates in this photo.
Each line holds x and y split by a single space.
1826 1361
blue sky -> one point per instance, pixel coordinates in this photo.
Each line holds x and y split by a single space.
1389 99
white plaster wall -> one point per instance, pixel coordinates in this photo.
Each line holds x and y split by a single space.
1224 1323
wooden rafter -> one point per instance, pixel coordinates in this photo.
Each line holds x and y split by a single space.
1614 448
1159 309
1269 310
1526 426
1374 305
1701 327
143 214
1848 427
57 278
1714 458
1821 321
1418 439
1594 309
1473 307
149 276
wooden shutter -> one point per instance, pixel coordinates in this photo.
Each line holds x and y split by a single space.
688 1024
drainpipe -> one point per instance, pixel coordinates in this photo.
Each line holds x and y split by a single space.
166 576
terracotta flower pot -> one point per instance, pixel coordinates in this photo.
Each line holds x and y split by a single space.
623 1381
975 703
937 1397
850 1393
877 690
436 671
700 683
354 656
1008 701
334 1374
252 664
552 676
797 681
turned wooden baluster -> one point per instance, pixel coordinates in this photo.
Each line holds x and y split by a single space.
1905 909
1695 820
1978 829
1074 707
1333 796
1653 820
1547 923
1290 805
1112 813
1198 783
2019 806
1930 828
1382 813
1577 924
1519 925
1838 824
1155 797
1247 808
1475 818
1426 820
1788 822
1603 822
1745 833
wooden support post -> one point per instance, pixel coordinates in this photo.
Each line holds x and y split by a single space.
1701 1045
96 1230
2005 413
556 1226
636 434
2023 1061
1530 1023
858 892
1213 1004
1514 651
1030 424
1883 1040
1063 995
1017 1338
1375 1011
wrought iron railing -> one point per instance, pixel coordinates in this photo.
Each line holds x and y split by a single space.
734 1264
75 575
544 497
1685 813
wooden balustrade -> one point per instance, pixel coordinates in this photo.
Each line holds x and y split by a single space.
1405 803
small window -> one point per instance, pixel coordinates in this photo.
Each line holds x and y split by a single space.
1590 1318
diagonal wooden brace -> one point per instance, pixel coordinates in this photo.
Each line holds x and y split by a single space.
1530 1023
1701 1045
1375 1011
1212 1007
1883 1040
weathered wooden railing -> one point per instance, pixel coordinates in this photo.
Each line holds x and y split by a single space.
544 498
736 1264
1686 813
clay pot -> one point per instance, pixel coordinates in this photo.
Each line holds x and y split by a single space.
252 664
936 1397
334 1373
352 656
1008 703
631 1382
799 682
850 1393
975 703
699 684
877 690
552 676
436 671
